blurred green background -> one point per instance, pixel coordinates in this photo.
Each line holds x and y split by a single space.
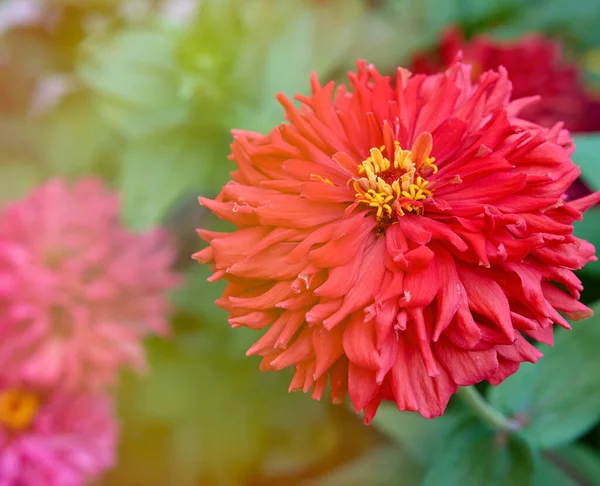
143 93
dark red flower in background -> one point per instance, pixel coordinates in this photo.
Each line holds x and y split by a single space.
399 240
535 67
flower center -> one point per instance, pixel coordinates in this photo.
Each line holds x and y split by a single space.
18 408
394 188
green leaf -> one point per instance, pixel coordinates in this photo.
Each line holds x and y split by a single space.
157 170
548 16
402 24
307 38
197 296
409 26
587 157
211 53
558 398
381 466
573 465
201 416
588 230
548 473
476 11
18 178
582 459
414 433
441 13
287 69
74 139
136 75
474 455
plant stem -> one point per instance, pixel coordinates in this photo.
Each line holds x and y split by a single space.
486 412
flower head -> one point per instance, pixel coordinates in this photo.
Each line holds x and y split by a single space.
54 438
78 292
535 67
400 240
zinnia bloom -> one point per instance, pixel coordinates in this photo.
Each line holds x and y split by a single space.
54 438
78 292
400 240
535 66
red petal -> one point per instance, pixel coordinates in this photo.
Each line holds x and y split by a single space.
371 409
388 353
571 307
360 343
464 331
411 386
327 348
421 288
289 211
505 369
466 367
487 298
450 289
368 278
400 383
339 381
254 320
267 341
300 350
421 149
520 351
362 386
423 332
543 335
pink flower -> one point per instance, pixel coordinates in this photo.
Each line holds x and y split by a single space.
19 13
55 438
78 292
400 239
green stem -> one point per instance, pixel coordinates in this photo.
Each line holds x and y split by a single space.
486 412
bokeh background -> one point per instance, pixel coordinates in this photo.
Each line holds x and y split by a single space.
143 93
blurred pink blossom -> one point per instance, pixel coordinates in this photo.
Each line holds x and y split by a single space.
173 11
18 13
179 11
50 91
25 13
78 291
54 439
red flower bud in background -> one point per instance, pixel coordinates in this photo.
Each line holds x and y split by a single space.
535 67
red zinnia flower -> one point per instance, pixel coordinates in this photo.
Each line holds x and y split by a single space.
535 67
400 240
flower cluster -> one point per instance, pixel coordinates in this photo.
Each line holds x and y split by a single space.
78 293
400 239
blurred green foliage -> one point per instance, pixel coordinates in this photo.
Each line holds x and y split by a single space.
474 454
558 398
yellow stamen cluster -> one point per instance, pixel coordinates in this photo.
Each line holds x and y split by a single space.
381 198
18 408
372 189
